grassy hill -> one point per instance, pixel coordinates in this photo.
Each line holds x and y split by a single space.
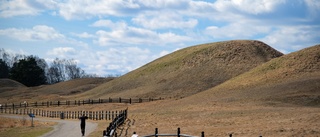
242 87
278 98
5 83
12 91
189 71
293 78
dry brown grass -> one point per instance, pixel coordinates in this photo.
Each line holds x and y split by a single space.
226 87
221 119
10 83
10 127
188 71
59 91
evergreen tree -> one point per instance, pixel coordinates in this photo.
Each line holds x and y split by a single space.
28 72
4 69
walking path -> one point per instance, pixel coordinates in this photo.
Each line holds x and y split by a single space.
64 128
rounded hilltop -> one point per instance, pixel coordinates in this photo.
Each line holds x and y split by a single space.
190 70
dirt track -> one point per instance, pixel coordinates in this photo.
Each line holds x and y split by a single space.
65 128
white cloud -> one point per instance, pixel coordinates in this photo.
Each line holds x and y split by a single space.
16 8
24 7
292 38
237 30
83 35
40 33
111 60
247 6
109 24
62 52
37 33
160 4
314 8
122 27
137 36
72 9
114 60
163 20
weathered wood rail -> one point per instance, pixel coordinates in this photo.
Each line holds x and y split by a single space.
75 102
111 130
178 134
93 115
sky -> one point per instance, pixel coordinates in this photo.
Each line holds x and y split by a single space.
114 37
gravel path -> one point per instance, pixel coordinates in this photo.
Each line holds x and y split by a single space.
64 128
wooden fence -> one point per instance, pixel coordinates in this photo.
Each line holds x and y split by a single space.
75 102
178 134
111 130
93 115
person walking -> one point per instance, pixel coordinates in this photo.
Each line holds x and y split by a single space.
134 134
83 123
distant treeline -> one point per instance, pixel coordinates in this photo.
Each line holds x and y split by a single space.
33 71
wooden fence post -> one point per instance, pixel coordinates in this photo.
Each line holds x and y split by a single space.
156 132
5 108
107 115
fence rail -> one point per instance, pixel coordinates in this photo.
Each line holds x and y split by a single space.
178 134
75 102
111 130
93 115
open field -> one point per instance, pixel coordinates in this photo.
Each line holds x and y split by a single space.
22 127
244 88
222 119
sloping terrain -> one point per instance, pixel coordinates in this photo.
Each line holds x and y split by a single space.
9 89
4 83
72 86
244 88
16 92
292 78
189 71
277 98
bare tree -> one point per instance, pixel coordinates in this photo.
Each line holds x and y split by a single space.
56 71
72 70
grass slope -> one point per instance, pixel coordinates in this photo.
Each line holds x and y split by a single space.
10 83
292 78
189 71
58 91
277 98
